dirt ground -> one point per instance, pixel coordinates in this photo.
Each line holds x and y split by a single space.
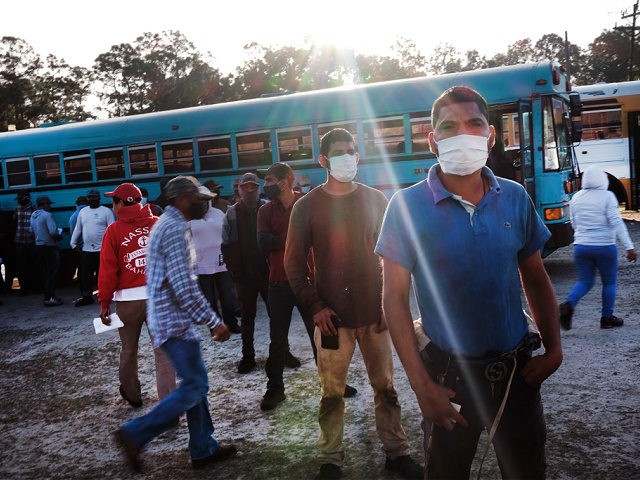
59 398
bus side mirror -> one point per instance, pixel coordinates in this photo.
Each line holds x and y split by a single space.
576 131
575 105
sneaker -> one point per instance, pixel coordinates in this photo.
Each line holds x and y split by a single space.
222 453
611 322
405 466
271 399
290 361
82 301
246 364
53 302
130 450
328 471
349 391
566 313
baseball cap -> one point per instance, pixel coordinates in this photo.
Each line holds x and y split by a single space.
43 199
280 170
213 185
127 192
93 193
184 185
249 178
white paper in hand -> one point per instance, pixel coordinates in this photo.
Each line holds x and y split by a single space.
101 327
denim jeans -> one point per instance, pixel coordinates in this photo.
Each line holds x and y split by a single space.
590 258
190 397
281 303
333 366
519 441
248 291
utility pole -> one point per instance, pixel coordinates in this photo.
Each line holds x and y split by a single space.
632 36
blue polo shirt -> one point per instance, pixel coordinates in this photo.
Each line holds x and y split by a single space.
465 274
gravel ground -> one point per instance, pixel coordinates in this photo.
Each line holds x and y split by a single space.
59 398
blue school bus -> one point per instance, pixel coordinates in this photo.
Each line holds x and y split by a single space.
531 107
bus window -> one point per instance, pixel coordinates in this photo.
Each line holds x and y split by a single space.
602 124
556 147
384 136
143 159
77 166
510 131
18 172
295 144
177 157
254 149
215 153
47 169
110 163
350 127
420 128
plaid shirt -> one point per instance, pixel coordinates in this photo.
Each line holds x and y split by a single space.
175 303
22 215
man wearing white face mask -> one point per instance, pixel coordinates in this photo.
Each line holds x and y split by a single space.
470 242
340 221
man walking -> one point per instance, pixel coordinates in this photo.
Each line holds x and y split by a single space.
471 243
176 306
91 224
340 221
122 278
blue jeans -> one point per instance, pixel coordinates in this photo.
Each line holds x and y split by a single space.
589 258
190 397
281 303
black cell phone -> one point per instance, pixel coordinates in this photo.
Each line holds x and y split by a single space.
331 342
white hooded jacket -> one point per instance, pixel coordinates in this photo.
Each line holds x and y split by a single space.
595 213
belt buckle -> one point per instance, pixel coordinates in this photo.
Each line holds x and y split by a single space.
496 371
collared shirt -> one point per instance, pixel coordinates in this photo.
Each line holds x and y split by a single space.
465 275
175 302
24 234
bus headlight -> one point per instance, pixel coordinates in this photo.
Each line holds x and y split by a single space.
556 213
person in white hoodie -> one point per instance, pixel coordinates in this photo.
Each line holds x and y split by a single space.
597 223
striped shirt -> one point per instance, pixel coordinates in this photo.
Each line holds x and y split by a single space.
175 304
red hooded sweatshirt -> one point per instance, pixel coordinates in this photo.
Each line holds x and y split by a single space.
123 255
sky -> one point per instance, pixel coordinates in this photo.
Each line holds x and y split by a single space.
78 31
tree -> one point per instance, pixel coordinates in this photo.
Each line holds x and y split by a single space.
444 59
552 47
608 59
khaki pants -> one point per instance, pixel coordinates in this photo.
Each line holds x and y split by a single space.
333 366
133 314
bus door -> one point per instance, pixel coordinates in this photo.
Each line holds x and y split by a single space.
633 121
505 157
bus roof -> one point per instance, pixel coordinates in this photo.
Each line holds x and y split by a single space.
606 90
497 85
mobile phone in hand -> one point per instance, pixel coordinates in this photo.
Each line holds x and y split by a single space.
331 342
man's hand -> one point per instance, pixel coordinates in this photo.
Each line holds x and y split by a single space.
435 403
322 320
220 333
104 315
540 367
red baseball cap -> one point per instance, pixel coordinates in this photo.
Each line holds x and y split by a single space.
126 192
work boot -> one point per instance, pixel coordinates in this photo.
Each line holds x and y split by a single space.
566 313
349 391
83 301
329 471
610 322
290 361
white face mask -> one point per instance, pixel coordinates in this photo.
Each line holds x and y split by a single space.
343 167
305 189
143 201
462 154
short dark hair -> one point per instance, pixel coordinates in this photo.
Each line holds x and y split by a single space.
333 136
458 94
